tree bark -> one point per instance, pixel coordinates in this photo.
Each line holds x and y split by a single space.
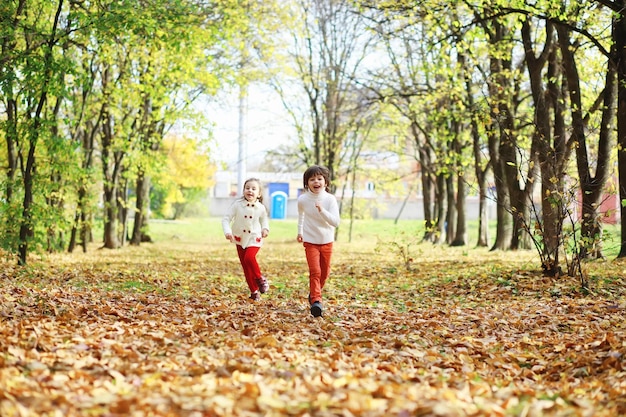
142 190
26 222
591 186
440 210
429 193
460 235
551 156
619 39
122 211
110 185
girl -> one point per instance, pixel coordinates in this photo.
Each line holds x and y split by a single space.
246 224
318 217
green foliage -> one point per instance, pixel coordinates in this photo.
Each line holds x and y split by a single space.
114 77
9 234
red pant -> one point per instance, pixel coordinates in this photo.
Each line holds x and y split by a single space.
318 258
251 269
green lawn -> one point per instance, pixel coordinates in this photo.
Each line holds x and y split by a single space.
359 232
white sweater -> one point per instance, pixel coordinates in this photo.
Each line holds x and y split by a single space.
245 221
315 226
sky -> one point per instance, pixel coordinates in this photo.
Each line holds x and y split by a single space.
267 125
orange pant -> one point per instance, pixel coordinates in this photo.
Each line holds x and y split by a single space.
251 269
318 258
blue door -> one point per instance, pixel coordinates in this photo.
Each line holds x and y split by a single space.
279 205
279 194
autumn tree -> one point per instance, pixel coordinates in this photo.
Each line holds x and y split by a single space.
559 101
482 165
424 87
328 50
83 130
109 79
505 125
404 86
618 59
190 31
589 112
32 74
183 179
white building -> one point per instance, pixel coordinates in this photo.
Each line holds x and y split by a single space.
281 191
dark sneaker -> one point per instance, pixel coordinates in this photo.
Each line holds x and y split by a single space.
263 284
316 309
255 296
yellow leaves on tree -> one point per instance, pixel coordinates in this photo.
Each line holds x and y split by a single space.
187 175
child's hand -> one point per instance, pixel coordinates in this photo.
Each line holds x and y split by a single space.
229 237
318 206
299 238
264 233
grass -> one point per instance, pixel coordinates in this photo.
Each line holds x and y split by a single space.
360 236
363 233
386 248
283 230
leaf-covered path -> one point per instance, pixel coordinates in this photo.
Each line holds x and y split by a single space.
157 331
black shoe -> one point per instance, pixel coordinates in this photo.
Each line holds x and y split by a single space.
316 309
255 296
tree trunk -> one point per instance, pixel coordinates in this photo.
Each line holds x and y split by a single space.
619 38
428 195
479 171
500 116
142 204
80 227
592 187
122 211
26 222
450 210
11 140
440 209
503 212
461 224
8 48
111 169
550 156
483 214
110 237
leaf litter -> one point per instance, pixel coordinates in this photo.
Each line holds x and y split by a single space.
138 333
